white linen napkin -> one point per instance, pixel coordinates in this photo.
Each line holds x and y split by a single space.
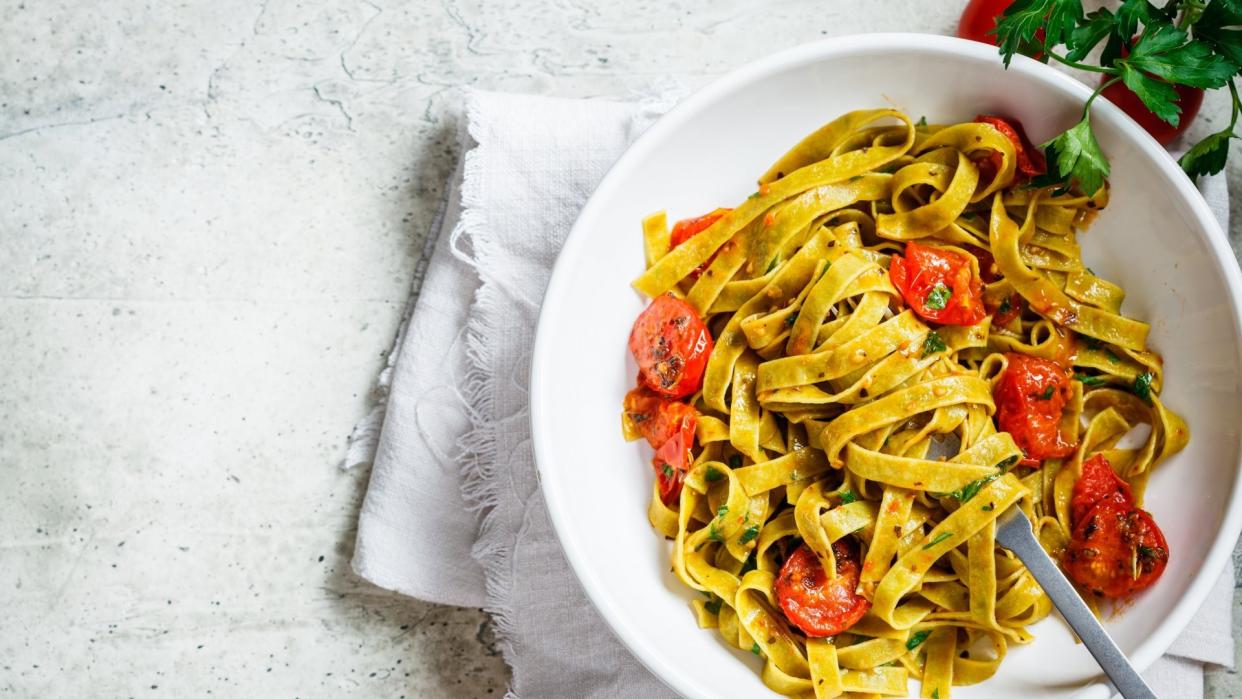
454 513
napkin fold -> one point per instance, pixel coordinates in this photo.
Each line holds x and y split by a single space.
454 513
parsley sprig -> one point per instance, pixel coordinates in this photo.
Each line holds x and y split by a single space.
1196 43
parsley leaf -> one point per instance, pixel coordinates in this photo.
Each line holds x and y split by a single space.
1217 27
916 639
1142 385
713 607
938 297
1086 35
751 533
1076 155
712 475
933 343
1005 465
939 538
791 319
1207 157
772 265
724 510
1016 29
1090 380
921 122
735 461
666 470
847 497
972 488
1165 52
712 533
1047 392
749 565
755 648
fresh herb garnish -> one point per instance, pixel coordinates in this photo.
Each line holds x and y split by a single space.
989 507
751 533
772 265
1090 380
713 606
712 475
939 538
916 639
712 533
1142 385
933 343
1008 463
735 461
666 470
749 565
1092 343
793 476
847 497
972 488
936 693
1192 43
755 648
1112 357
789 321
1005 307
724 510
938 297
1047 392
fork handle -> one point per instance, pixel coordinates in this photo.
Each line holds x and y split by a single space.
1022 541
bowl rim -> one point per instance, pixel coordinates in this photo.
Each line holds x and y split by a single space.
624 628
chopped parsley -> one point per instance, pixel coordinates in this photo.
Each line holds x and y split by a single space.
933 343
1048 391
989 507
751 533
772 265
712 475
712 534
755 648
666 470
724 510
1005 307
921 122
1007 463
938 298
936 693
749 565
735 461
1090 380
1093 343
972 488
916 639
1142 385
847 497
1112 357
793 475
939 538
790 320
713 606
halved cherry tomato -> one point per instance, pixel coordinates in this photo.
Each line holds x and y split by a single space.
1097 483
1030 398
814 603
938 284
686 229
1116 550
988 271
668 426
671 344
1029 160
658 418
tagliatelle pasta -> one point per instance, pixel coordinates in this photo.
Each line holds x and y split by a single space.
851 375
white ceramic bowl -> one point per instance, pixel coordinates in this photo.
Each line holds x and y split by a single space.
1157 238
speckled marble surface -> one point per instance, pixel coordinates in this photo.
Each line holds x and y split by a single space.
209 225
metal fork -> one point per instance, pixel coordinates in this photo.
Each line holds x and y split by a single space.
1015 533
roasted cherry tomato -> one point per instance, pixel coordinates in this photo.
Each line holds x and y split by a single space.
1029 160
1115 550
1030 398
668 426
686 229
988 271
819 605
671 344
658 418
938 284
1097 483
1189 99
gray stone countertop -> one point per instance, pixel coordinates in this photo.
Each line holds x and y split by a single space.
209 226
